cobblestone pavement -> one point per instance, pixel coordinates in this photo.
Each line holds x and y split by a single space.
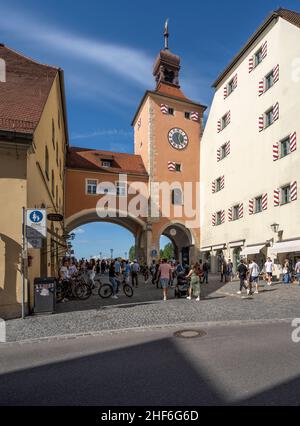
219 303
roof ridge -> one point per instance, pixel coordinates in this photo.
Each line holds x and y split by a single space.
29 58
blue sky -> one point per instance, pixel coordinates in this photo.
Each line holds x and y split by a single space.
107 50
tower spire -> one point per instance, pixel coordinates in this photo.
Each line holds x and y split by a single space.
166 34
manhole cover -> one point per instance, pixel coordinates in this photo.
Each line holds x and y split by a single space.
190 334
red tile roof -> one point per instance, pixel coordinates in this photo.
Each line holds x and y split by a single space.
171 90
89 159
25 92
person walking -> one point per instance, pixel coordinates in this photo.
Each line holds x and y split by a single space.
229 270
112 279
254 275
195 282
135 267
269 270
223 271
286 272
242 273
205 268
164 275
297 270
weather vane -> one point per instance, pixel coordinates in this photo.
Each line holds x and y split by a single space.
166 34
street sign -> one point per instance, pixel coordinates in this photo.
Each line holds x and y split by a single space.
36 224
154 253
36 243
55 217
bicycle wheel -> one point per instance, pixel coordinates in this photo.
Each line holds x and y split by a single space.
83 291
128 290
59 292
105 291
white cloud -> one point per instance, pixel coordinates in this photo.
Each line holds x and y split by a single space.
79 231
103 132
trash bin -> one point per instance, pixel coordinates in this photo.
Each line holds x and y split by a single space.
44 295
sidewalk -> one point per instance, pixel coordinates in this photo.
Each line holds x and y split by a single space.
219 303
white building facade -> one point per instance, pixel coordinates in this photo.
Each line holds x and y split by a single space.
250 151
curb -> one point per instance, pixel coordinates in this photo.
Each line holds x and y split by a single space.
147 328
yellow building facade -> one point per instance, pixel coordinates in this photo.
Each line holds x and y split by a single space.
33 141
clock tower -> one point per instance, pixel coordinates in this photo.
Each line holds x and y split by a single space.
167 134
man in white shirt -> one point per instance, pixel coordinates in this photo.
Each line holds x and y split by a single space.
254 273
269 270
297 270
64 273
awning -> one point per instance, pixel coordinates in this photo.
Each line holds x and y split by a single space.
285 247
252 250
236 244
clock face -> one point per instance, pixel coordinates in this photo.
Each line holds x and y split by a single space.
178 138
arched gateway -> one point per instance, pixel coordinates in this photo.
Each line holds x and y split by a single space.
154 191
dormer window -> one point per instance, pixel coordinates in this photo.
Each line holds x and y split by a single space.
258 57
106 163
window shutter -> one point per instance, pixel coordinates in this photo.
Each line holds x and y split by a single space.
219 126
228 117
293 191
264 49
261 88
265 202
251 64
276 73
276 197
225 92
213 186
261 122
251 206
222 182
164 108
235 81
275 151
293 141
213 219
230 214
219 154
276 111
228 148
223 216
241 210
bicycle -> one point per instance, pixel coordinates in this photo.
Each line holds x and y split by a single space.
106 290
69 289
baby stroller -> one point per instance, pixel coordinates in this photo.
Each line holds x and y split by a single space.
182 286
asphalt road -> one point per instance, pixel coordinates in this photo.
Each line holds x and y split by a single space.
254 364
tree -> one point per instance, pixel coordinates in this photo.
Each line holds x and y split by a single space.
132 253
167 252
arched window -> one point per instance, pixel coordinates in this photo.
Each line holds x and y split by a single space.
47 162
177 197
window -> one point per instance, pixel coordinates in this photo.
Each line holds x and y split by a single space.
171 111
219 218
258 57
52 182
106 163
236 214
57 153
258 204
223 151
177 167
47 162
53 133
177 197
187 115
286 194
91 186
121 189
230 87
269 118
269 81
285 147
218 184
224 121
